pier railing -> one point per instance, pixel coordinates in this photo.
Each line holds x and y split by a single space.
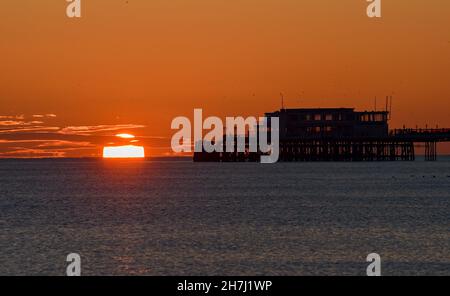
422 135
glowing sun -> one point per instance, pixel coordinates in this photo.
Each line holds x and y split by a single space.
128 151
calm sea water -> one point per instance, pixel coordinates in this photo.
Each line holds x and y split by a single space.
181 218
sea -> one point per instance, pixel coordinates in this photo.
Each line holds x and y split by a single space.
176 217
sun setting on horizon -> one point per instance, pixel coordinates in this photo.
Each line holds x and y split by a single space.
128 151
125 151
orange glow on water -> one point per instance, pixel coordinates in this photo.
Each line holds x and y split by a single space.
129 151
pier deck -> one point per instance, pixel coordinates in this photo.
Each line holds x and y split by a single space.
398 145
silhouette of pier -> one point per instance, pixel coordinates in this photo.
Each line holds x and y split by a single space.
337 134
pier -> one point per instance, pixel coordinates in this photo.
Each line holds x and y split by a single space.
339 134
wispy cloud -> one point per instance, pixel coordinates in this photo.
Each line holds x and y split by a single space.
19 123
18 117
48 149
65 144
11 123
20 152
49 115
31 129
50 143
21 141
91 129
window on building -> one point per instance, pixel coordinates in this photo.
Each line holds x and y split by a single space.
365 117
380 117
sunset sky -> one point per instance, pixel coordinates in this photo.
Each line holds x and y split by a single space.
68 86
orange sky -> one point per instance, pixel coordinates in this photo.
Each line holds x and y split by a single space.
134 65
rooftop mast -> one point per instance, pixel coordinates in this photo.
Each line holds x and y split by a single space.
390 108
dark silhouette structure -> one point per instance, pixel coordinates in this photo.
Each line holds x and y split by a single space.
339 134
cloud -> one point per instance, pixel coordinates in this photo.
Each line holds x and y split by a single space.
11 123
31 129
19 123
153 137
21 152
91 129
47 149
64 144
20 141
17 117
44 115
50 143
